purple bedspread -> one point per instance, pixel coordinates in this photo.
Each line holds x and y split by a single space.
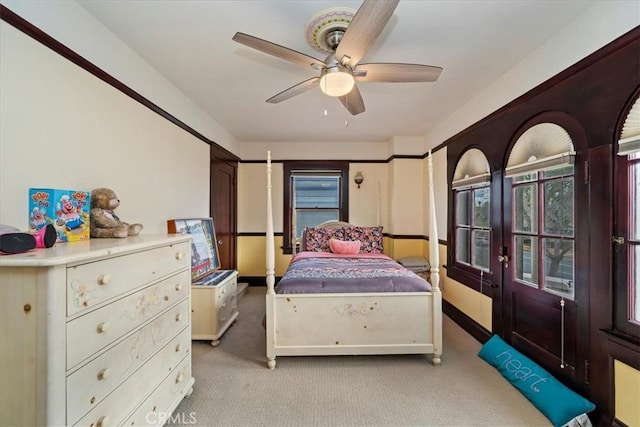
334 274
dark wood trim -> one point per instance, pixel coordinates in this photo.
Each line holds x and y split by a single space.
617 423
624 348
407 157
369 161
406 236
472 280
622 226
258 234
37 34
466 322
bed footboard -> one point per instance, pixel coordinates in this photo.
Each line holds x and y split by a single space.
354 324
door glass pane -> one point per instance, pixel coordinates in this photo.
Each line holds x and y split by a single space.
462 245
526 208
526 259
558 207
558 266
311 218
481 207
481 249
462 207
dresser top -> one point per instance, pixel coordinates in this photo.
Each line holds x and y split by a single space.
87 250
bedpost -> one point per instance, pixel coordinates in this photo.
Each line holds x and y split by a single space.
270 258
434 255
294 220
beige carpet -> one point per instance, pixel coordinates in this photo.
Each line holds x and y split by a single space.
234 387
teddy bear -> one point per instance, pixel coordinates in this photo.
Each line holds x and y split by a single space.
103 221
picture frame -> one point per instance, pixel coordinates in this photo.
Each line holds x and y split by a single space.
204 247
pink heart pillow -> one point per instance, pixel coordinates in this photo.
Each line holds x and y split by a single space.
344 247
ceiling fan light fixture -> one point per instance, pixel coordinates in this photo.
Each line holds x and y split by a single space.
336 81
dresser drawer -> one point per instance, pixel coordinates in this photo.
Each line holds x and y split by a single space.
155 409
95 330
91 284
117 406
95 380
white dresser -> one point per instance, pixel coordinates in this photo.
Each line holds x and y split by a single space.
96 332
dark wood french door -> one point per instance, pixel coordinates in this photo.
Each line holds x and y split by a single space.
544 295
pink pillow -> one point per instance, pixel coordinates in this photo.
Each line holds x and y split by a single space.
344 247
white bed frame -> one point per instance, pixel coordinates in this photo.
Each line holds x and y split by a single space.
353 323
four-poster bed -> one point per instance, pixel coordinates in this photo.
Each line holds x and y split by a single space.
394 318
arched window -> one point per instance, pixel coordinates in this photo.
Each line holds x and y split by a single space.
472 203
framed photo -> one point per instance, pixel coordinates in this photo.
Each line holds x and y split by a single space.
204 248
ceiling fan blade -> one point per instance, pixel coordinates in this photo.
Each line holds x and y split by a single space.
353 101
397 73
278 51
294 90
363 30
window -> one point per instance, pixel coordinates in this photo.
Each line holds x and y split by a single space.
316 199
470 252
543 229
472 227
314 192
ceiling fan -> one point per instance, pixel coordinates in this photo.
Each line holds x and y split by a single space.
342 68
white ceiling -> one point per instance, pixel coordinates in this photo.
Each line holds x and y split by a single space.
189 43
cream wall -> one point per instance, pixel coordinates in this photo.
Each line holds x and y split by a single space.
407 189
70 24
252 197
64 128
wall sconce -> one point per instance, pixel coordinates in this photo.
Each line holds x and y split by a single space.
358 178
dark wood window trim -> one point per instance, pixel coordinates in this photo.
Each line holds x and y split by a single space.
289 166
